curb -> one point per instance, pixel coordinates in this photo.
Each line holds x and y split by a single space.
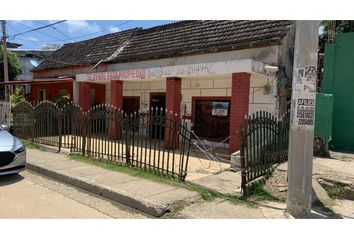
104 191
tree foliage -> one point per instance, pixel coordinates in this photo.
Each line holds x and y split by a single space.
62 100
13 63
342 26
17 96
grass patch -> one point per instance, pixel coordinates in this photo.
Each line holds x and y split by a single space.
205 193
113 166
30 145
335 191
257 191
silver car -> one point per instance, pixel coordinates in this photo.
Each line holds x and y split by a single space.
12 153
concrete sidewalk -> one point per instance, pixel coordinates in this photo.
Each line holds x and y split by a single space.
145 195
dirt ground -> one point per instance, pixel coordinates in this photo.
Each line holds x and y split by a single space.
338 170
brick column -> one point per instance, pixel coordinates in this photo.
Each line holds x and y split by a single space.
239 107
173 103
116 91
85 95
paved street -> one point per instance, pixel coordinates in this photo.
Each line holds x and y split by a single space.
29 195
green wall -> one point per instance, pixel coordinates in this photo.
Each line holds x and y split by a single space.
323 121
339 81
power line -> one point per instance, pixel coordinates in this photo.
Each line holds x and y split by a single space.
72 38
59 61
35 29
60 32
24 39
65 35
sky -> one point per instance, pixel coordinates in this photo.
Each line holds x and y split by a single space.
68 31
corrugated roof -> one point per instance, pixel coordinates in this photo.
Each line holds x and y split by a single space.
170 40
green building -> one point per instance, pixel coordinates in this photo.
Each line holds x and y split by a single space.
338 79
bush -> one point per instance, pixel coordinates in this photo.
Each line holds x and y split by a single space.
17 96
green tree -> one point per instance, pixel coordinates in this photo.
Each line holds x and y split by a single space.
13 63
62 100
17 96
342 26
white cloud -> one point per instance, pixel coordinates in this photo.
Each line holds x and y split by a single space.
114 29
32 38
25 22
81 26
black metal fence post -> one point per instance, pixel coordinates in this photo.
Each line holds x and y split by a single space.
243 137
60 125
157 140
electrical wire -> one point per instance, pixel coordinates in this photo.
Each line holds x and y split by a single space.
207 151
72 38
57 30
38 28
65 35
139 63
28 27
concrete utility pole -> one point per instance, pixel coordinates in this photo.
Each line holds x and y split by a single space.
4 50
303 105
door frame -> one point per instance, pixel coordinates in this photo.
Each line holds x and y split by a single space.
44 91
132 97
194 99
154 94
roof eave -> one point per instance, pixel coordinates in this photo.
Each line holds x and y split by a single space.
208 51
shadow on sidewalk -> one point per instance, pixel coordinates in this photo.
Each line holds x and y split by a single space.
320 210
10 179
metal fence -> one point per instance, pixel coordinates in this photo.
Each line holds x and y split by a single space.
5 113
157 140
264 142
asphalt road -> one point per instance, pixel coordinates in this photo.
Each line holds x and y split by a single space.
31 196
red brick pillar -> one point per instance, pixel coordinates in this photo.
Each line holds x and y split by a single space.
173 104
115 125
239 107
117 93
85 95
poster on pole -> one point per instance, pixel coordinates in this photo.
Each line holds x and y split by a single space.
305 112
305 79
303 104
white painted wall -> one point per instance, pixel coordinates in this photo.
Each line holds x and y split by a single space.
143 90
215 86
259 99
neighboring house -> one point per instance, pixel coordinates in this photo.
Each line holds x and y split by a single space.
28 60
338 80
197 65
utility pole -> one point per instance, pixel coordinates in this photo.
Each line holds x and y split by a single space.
331 31
4 50
303 105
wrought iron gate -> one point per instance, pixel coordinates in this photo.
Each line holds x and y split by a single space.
156 140
264 142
